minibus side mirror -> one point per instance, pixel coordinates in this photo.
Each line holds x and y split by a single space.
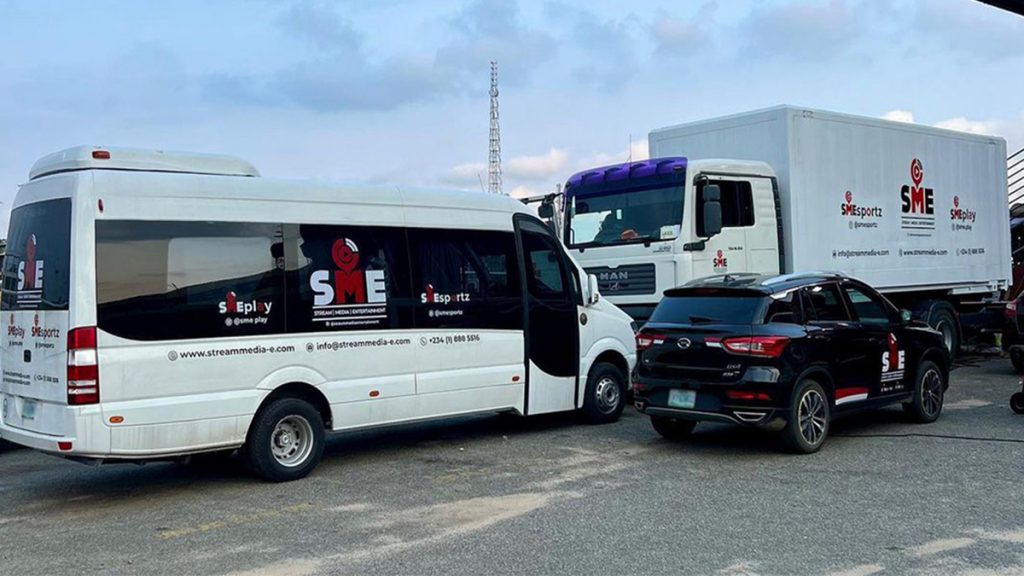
593 292
712 210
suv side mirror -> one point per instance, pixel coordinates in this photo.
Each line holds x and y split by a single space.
712 210
593 293
905 317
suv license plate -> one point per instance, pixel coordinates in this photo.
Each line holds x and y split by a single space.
682 398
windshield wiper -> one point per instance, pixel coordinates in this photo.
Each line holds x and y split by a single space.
647 239
591 244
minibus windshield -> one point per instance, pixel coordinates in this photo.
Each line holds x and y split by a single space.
37 263
625 216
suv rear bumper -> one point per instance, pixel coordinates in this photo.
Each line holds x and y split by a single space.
754 417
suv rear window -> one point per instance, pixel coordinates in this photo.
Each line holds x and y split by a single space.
710 306
38 260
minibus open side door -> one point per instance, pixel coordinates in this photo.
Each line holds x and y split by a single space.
552 328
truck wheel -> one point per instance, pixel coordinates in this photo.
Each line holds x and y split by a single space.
285 441
929 393
605 395
809 419
672 428
944 321
1017 402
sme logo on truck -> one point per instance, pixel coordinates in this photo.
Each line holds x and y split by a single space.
720 263
963 218
348 295
917 203
851 210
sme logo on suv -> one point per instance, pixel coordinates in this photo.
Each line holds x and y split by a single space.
785 353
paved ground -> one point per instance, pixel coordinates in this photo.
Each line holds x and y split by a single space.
499 495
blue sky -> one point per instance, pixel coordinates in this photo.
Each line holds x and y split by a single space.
397 91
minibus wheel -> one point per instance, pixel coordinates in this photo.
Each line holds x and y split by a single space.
285 441
605 395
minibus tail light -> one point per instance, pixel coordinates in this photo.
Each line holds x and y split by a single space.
83 367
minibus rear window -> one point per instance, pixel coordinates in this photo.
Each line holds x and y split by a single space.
37 264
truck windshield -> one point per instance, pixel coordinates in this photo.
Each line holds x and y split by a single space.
626 216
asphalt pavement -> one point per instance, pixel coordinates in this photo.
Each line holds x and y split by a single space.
549 495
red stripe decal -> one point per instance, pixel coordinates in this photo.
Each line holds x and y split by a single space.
844 392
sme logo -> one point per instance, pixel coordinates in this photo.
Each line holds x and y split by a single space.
720 262
348 284
30 270
917 199
960 214
853 210
14 330
42 332
231 305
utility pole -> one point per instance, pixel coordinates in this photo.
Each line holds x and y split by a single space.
494 157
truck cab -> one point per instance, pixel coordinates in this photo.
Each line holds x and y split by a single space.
644 227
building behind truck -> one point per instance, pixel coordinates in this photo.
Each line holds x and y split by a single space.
918 212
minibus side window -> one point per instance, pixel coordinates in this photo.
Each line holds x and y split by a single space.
466 279
343 278
180 280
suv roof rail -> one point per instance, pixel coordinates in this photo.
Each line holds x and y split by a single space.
723 278
805 274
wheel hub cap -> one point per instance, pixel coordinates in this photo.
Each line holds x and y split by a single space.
607 392
931 392
292 441
811 415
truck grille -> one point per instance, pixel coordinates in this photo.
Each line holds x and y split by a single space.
625 280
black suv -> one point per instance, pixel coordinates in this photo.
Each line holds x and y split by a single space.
785 353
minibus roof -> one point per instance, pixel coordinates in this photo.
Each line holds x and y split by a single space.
106 158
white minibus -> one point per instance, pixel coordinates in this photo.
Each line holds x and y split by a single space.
162 305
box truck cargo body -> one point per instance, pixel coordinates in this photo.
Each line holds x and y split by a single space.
918 212
901 206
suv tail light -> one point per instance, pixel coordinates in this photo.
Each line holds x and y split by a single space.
645 341
760 346
83 367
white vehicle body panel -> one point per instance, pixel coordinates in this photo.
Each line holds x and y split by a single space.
162 398
962 246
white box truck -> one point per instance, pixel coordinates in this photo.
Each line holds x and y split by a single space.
918 212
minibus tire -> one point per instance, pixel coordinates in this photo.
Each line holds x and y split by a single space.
597 409
284 422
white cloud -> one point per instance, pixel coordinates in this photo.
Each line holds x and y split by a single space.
638 150
1012 130
539 167
526 191
469 174
899 116
973 126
